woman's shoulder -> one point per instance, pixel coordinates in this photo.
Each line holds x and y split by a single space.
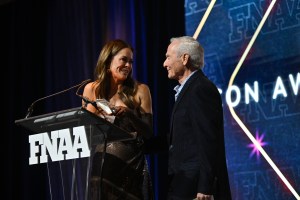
143 89
91 85
143 92
142 86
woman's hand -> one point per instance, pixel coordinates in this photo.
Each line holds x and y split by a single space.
121 111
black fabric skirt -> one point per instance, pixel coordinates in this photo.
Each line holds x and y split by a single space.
121 174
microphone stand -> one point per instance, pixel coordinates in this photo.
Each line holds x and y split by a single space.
30 109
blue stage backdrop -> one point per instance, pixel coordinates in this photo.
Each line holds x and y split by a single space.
264 94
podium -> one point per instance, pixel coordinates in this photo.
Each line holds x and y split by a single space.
65 141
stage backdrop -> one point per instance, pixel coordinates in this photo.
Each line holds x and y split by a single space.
264 93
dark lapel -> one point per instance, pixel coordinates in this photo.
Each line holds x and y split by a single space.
196 75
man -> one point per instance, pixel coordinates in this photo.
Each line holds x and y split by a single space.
197 162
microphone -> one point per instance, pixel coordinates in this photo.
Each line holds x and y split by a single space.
85 99
30 109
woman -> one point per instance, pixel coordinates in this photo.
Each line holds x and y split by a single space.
124 174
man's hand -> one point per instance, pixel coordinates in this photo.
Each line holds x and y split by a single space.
201 196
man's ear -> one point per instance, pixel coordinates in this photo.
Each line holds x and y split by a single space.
185 58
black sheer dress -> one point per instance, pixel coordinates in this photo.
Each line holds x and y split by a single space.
125 174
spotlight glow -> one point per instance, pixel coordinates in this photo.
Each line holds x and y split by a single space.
259 140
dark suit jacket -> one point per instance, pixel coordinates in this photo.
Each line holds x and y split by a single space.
197 136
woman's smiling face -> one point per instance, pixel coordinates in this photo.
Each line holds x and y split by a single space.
121 64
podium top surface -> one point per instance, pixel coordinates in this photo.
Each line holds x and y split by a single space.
71 118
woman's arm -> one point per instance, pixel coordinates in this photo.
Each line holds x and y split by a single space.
144 123
89 93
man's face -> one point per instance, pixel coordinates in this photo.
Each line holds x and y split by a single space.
174 63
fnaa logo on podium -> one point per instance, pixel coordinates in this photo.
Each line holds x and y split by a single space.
59 145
